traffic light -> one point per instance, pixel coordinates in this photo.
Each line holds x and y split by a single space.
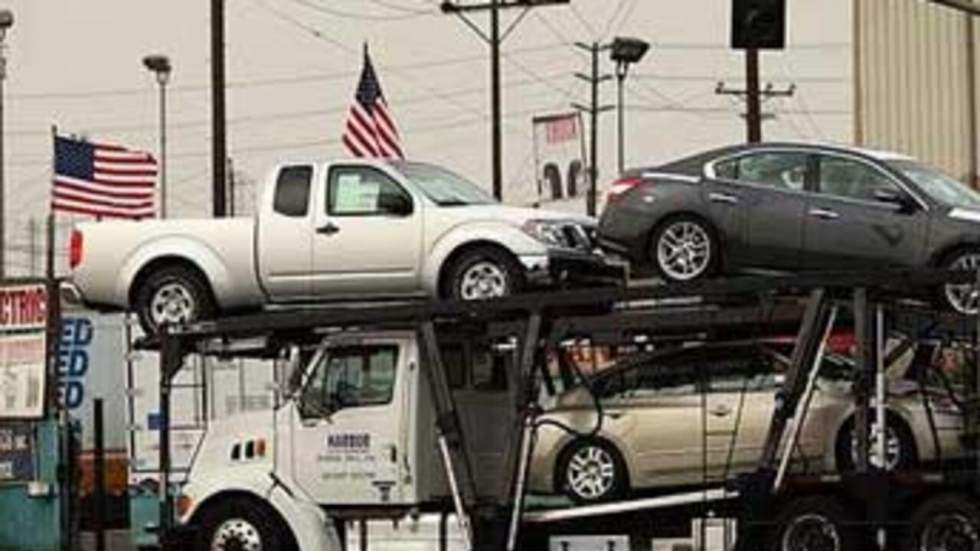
759 24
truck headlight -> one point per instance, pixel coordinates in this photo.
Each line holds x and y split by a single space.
546 231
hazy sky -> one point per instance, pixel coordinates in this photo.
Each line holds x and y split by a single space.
293 66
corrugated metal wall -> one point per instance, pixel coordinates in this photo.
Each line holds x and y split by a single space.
915 69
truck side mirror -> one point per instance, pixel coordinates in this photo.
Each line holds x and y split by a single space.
395 204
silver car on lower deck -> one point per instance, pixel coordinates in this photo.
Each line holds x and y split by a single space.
699 415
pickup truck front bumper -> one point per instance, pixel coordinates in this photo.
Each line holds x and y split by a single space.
570 268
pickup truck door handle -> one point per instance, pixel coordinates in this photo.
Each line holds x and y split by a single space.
722 198
327 229
825 214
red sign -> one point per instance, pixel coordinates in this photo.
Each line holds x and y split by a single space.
561 129
23 307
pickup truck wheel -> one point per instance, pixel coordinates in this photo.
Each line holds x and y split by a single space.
174 294
484 273
242 524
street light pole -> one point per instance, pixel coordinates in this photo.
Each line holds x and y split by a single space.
625 51
160 66
6 21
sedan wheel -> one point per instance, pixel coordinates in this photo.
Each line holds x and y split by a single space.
592 472
684 250
964 298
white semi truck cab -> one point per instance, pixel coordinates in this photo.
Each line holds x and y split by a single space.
352 434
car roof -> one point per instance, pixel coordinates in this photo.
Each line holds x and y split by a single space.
693 164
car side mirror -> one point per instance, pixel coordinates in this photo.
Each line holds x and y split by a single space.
897 198
395 204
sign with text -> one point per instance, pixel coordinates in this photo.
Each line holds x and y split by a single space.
559 151
23 350
16 452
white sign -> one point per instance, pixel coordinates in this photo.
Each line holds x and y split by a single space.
23 351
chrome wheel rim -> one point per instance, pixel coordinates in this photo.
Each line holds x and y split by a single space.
893 449
483 280
684 251
950 532
236 535
811 532
591 472
964 298
172 303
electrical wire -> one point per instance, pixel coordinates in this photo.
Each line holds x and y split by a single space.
322 8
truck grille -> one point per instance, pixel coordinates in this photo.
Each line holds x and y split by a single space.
579 237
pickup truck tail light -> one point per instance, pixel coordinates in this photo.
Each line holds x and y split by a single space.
621 187
75 249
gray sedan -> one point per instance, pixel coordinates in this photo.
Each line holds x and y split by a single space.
788 206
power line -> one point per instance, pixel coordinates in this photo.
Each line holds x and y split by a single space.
363 16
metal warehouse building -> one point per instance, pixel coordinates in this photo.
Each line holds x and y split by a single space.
915 82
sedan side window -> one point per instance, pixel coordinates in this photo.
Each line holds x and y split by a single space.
853 179
777 169
360 191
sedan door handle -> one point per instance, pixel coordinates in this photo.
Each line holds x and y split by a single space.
722 198
613 414
825 214
327 229
720 411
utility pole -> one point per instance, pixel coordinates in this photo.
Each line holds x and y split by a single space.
593 109
231 188
218 149
754 96
495 39
6 21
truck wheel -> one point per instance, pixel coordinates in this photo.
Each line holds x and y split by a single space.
814 523
173 294
944 523
592 471
484 273
242 524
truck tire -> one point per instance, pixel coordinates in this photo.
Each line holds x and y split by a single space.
945 522
241 523
173 294
815 522
484 273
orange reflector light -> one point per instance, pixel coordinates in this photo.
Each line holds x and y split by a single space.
260 447
184 504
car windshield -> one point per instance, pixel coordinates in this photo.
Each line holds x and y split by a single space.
446 188
937 185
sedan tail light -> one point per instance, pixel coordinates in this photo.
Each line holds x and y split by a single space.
621 187
75 249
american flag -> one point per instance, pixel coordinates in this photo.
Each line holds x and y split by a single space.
102 180
370 130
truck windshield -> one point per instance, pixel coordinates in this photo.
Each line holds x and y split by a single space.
939 186
446 188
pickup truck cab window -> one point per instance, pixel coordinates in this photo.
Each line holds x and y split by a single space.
365 191
292 196
350 377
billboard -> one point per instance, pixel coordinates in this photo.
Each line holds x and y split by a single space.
23 350
559 159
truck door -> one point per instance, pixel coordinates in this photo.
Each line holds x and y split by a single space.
368 234
284 236
346 444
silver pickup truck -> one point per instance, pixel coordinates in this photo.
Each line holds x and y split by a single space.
333 231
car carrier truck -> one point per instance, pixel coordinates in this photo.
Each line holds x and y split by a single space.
393 413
